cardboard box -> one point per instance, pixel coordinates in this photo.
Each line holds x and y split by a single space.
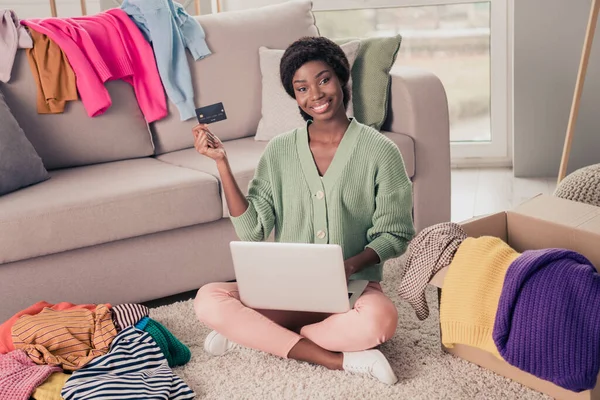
542 222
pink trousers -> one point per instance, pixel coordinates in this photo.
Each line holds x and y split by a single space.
372 321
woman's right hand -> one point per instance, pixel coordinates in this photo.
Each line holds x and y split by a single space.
208 144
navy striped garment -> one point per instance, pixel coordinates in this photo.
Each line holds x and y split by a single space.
134 368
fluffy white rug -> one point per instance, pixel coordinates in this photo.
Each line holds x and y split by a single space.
423 369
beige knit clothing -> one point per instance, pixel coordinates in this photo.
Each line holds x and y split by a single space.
430 250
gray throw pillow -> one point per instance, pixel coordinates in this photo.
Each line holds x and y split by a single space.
20 165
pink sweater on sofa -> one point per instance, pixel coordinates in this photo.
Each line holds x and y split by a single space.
103 47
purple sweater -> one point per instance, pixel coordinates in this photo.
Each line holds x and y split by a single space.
548 319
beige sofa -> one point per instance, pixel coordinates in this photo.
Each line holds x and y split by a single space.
132 213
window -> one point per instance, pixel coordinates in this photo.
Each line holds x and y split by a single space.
464 44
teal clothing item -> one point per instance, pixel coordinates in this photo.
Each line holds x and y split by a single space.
363 200
141 324
175 352
171 30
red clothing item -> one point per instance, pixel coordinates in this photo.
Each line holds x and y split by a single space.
103 47
6 343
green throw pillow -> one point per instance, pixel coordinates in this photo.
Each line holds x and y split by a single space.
371 78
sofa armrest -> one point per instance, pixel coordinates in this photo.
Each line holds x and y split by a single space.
418 107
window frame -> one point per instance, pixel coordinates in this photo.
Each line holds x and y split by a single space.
498 151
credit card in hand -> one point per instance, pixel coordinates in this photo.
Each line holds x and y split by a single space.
209 114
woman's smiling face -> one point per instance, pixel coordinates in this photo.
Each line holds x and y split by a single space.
318 90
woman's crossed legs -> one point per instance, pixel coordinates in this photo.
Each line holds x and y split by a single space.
336 341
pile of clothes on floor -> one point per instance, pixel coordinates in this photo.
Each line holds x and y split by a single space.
536 310
67 351
142 42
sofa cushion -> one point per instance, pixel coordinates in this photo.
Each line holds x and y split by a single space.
95 204
231 74
72 138
243 155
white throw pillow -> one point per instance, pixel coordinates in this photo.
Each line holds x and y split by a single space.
280 112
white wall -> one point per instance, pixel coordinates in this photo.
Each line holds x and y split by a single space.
548 42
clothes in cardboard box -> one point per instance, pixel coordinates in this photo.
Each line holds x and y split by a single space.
536 310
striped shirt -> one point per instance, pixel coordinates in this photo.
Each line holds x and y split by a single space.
135 368
125 315
69 338
6 343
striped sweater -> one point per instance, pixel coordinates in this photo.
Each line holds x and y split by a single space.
363 200
135 368
6 341
69 339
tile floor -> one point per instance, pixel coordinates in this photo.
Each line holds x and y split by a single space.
488 190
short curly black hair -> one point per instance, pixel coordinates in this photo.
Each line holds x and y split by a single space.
316 48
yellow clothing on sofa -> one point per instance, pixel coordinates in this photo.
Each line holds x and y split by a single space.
51 388
471 292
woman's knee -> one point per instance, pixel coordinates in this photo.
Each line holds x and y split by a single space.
206 302
381 322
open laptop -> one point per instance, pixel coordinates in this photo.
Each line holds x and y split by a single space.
294 277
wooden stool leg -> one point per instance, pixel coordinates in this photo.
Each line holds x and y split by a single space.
585 56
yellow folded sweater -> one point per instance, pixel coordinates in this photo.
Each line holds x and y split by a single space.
471 292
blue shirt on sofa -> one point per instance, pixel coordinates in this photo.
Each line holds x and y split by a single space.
171 30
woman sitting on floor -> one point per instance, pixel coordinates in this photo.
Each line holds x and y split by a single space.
361 176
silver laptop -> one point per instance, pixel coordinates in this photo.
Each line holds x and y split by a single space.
294 277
